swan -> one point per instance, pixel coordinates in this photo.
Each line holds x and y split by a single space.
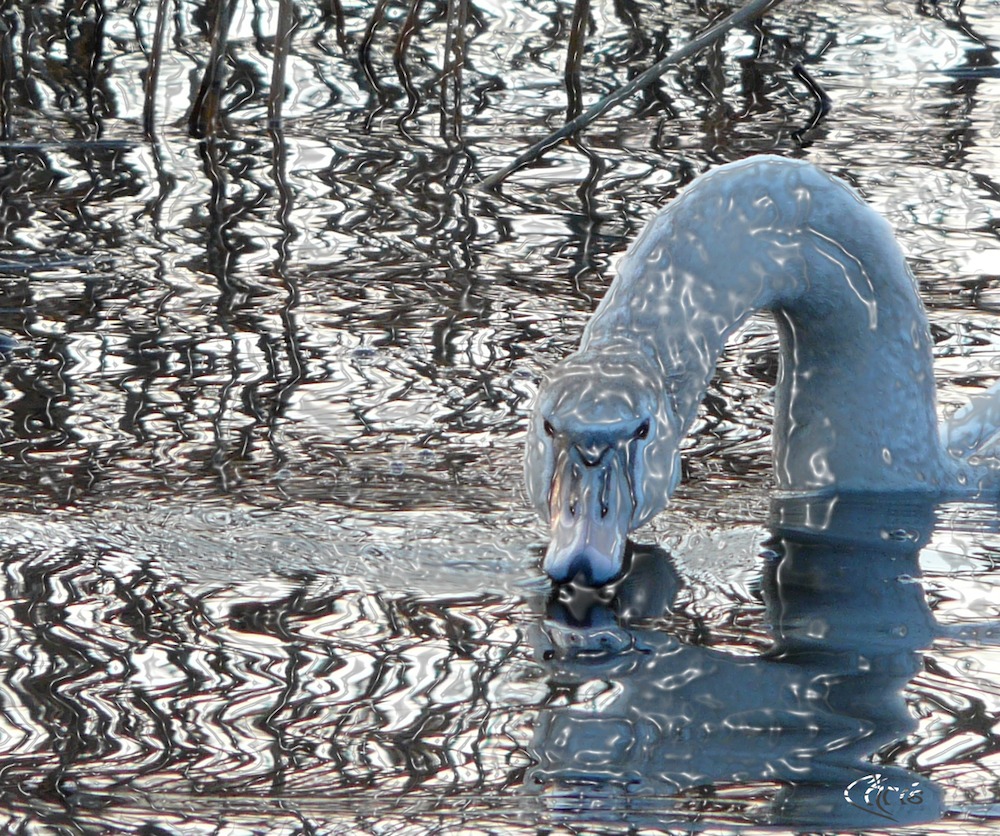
855 404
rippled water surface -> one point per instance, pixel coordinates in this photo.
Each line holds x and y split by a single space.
267 356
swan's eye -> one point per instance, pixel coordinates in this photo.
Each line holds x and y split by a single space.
549 429
643 430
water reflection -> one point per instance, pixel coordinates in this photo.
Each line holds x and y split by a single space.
641 720
194 666
131 672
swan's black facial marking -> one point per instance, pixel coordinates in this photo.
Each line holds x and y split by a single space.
601 444
592 500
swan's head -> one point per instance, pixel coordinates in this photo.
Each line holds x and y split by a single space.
601 459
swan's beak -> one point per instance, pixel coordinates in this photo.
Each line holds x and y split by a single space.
590 513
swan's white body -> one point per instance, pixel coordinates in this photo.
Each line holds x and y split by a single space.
855 402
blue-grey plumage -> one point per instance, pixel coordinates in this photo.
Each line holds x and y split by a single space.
855 402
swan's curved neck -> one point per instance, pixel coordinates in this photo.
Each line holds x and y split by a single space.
855 401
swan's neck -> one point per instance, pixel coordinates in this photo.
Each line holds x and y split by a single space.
855 401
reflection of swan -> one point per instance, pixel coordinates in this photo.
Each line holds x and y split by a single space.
855 399
650 718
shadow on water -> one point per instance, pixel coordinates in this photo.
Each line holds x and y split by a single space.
655 730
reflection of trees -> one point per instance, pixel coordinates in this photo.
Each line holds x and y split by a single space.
119 681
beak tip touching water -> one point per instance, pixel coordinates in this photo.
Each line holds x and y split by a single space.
588 565
590 513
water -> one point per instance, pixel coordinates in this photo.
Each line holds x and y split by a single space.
267 562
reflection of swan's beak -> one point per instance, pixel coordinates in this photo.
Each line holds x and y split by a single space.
590 512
